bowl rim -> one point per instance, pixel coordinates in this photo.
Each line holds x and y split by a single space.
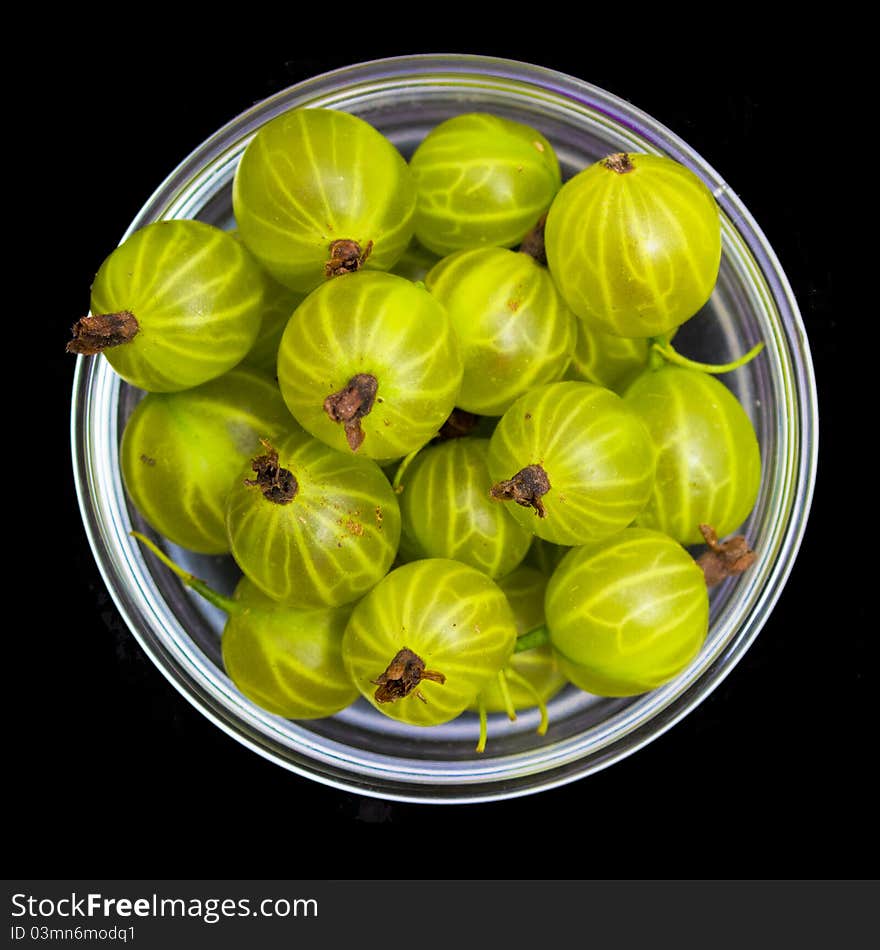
483 69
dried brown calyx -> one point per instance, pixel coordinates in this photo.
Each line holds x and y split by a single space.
533 242
526 488
346 257
402 677
620 162
278 485
724 558
98 332
351 404
460 423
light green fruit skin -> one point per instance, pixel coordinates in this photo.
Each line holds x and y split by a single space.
331 543
628 613
606 360
415 262
384 325
197 296
597 454
634 254
709 460
180 453
280 304
544 556
525 588
287 660
313 176
515 330
446 510
481 180
452 616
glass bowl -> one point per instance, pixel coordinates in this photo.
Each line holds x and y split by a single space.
359 749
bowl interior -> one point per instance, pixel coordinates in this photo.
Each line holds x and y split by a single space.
359 749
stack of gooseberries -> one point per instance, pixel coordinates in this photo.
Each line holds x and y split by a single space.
432 411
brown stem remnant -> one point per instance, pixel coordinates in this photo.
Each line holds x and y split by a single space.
402 677
460 423
351 404
525 488
620 162
97 332
533 242
278 485
346 257
724 558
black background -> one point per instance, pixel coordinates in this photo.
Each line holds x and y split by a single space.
112 773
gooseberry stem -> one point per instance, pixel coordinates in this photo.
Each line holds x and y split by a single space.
97 332
509 708
226 604
484 730
664 348
542 706
539 637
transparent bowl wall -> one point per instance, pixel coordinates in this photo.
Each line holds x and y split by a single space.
359 749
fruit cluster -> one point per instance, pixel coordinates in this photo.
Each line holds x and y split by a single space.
432 411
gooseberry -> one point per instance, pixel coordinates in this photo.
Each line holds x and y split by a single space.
313 527
286 660
318 193
426 639
514 328
634 244
176 304
481 180
532 676
708 458
446 510
575 460
181 451
606 360
627 613
369 363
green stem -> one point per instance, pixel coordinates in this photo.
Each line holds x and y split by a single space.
509 708
542 706
539 637
481 742
662 347
226 604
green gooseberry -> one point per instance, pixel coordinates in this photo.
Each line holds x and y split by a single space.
708 457
320 192
446 510
314 527
370 363
181 451
515 330
606 360
279 304
287 660
544 556
426 639
634 244
576 461
481 180
284 659
532 676
176 304
628 613
415 262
